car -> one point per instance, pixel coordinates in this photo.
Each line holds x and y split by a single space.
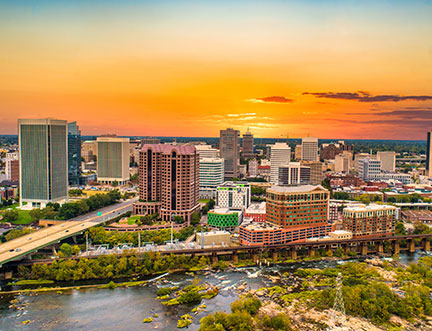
67 231
18 250
11 250
29 238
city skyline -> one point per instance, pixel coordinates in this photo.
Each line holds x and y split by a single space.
328 69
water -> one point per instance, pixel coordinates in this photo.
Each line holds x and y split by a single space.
125 308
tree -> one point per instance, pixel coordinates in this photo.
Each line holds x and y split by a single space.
10 215
115 183
35 214
178 219
400 229
195 218
66 250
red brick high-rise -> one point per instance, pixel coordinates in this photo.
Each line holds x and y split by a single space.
168 181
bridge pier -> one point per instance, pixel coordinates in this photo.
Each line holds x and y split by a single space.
426 245
311 252
293 254
214 258
235 257
411 246
380 248
275 256
363 249
346 249
396 247
255 257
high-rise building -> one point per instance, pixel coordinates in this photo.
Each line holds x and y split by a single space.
150 140
89 150
388 161
211 175
280 154
43 161
12 166
357 160
429 155
229 151
168 181
294 174
370 221
298 152
310 149
316 171
74 153
369 168
207 151
234 195
112 160
253 167
343 162
248 145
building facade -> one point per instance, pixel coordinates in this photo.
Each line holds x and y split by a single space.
43 161
223 219
316 171
429 154
248 145
369 168
256 212
211 175
253 167
12 166
294 174
343 163
168 181
388 161
113 160
207 151
280 154
370 221
234 195
74 154
230 151
310 149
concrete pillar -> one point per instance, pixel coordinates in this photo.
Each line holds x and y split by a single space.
214 258
380 248
411 246
363 249
396 247
426 245
275 256
311 252
235 257
346 248
255 257
293 254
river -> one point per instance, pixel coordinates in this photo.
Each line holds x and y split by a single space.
125 308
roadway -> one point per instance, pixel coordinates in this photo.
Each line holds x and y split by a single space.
24 245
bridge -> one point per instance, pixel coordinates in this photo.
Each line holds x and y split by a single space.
289 250
24 245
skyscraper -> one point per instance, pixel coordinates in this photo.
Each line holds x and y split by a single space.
294 174
112 159
280 154
429 155
43 161
229 151
388 161
310 149
168 181
248 145
74 153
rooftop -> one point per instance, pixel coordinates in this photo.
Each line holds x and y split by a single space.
168 148
370 207
223 211
296 189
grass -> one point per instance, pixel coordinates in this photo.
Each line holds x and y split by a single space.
133 219
32 282
204 200
23 215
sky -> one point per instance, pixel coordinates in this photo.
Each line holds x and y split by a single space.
331 69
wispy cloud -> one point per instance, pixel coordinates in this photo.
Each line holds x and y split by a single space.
274 99
241 114
363 96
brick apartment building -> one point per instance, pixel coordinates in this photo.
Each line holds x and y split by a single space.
168 181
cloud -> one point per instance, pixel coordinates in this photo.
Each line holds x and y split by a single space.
241 114
363 96
274 99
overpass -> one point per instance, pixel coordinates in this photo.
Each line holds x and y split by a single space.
288 250
19 247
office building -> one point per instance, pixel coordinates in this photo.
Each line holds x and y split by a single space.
211 175
342 163
294 174
223 219
150 141
316 171
74 154
310 149
388 161
298 152
253 167
329 151
256 212
234 195
369 168
43 161
229 151
369 221
280 154
89 150
112 160
429 154
333 213
248 145
357 160
207 151
168 181
12 166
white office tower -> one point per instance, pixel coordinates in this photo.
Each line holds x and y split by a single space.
388 161
294 174
211 175
207 151
310 149
343 162
369 168
253 167
234 195
280 154
112 160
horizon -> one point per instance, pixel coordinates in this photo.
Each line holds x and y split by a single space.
361 70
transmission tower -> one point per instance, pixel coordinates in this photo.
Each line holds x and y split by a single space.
338 306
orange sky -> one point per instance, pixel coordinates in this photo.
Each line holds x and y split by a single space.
190 69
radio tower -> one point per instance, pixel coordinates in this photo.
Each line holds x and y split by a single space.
338 306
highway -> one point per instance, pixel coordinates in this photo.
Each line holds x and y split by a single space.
24 245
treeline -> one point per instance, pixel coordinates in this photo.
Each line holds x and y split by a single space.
110 267
99 235
74 209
